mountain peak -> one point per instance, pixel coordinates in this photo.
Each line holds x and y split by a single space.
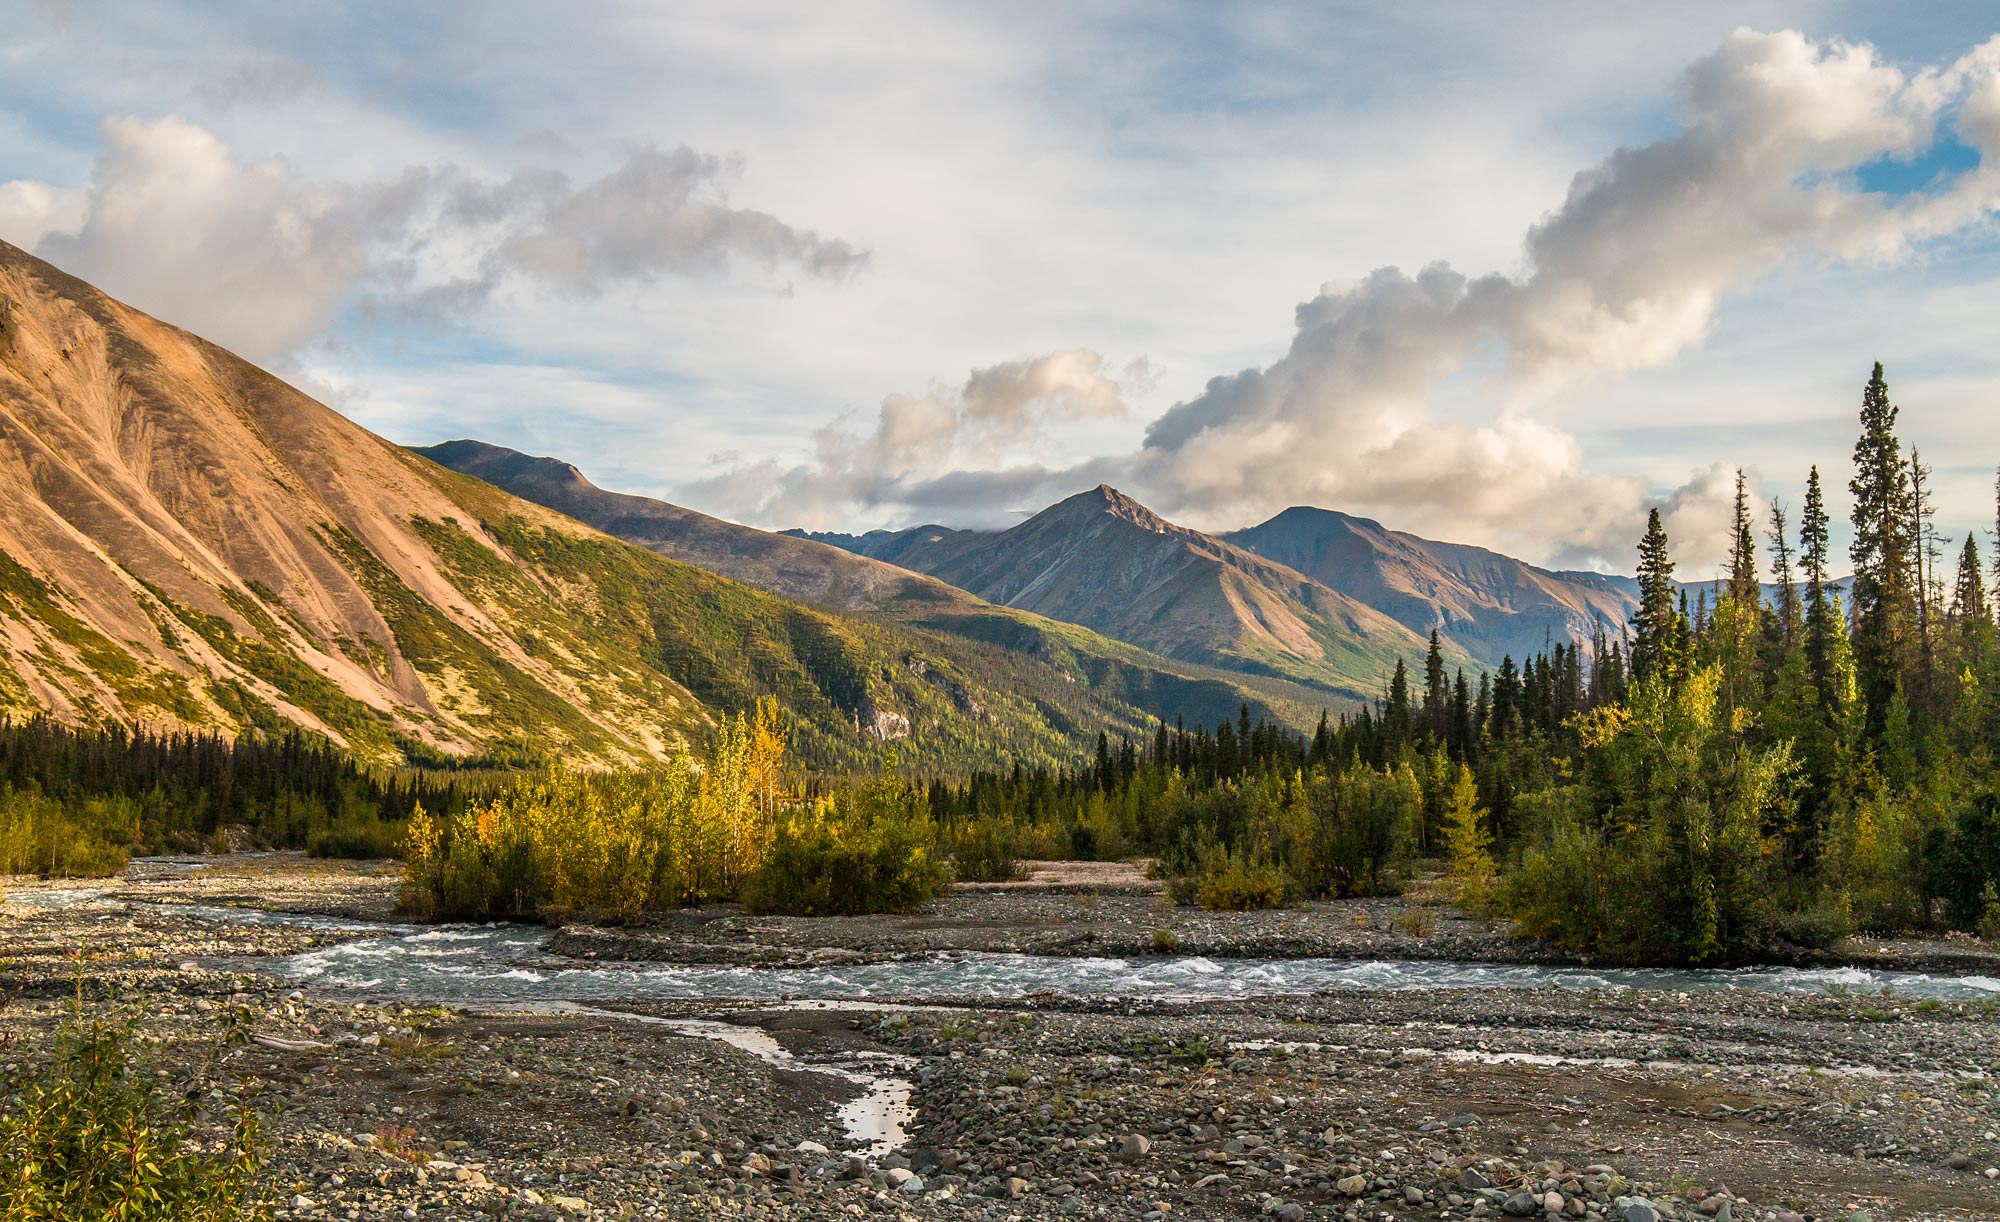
485 460
1103 500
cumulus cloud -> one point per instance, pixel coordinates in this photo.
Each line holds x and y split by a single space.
999 408
30 211
1625 274
261 259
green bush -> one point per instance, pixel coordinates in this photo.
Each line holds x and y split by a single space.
1661 856
1239 880
92 838
1818 922
91 1131
357 838
1989 920
984 850
869 848
609 847
1351 835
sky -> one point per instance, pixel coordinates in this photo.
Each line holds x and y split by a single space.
1506 275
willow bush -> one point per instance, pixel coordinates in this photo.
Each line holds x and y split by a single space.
565 845
94 1130
91 838
608 847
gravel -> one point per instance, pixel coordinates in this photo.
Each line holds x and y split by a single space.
1607 1106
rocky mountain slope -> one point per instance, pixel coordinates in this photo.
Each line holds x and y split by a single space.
1491 605
1103 560
187 541
845 581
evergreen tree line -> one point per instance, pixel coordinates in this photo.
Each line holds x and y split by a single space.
1769 767
79 800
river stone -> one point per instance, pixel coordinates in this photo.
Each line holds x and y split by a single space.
1133 1147
1637 1211
1352 1185
1521 1205
1472 1180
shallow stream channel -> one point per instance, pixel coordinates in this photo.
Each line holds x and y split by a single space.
507 968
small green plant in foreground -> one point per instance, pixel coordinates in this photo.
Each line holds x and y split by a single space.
92 1131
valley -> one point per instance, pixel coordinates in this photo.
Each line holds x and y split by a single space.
1355 1101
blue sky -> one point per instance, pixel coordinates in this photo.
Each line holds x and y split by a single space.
948 261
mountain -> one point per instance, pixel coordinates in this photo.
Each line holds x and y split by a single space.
186 541
1489 604
780 563
1104 560
831 577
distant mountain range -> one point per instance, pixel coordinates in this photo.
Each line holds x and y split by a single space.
186 541
1362 594
1311 608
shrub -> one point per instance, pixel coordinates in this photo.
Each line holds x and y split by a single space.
92 838
609 847
91 1131
1351 835
985 850
1239 881
869 848
1817 922
357 838
1661 857
1166 941
1968 863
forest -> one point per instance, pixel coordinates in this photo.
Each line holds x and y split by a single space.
1755 768
1746 767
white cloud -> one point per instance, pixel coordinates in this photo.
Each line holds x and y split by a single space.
1626 274
261 259
1000 410
30 211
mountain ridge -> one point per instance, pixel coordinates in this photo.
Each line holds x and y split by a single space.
188 542
830 576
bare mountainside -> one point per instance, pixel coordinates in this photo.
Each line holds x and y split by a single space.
1102 559
190 541
845 581
186 540
1491 605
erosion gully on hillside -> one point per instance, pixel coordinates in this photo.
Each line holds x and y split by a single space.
1162 1086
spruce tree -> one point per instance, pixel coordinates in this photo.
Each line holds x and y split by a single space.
1781 572
1396 715
1819 609
1436 697
1656 624
1970 616
1743 551
1929 584
1883 553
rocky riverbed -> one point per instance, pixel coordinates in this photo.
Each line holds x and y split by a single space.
1608 1104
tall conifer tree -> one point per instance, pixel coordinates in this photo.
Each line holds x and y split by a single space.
1743 551
1656 624
1781 572
1819 608
1883 552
